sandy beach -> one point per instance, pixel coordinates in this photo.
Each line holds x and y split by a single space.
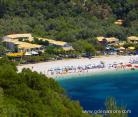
83 65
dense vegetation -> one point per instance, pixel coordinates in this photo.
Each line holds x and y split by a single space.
29 94
69 20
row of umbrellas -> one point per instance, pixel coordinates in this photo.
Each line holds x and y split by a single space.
89 66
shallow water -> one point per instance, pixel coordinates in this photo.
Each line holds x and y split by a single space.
92 90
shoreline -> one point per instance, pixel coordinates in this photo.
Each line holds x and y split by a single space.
100 72
82 66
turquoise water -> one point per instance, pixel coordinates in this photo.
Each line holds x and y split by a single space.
92 90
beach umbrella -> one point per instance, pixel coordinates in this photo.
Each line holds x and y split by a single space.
51 69
101 62
57 68
115 63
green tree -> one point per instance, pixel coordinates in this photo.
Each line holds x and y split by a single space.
84 46
31 94
112 106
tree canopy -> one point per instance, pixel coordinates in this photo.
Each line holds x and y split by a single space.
69 20
31 94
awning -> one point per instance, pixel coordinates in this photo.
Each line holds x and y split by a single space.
18 54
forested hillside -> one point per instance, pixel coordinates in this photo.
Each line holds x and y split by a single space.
29 94
69 20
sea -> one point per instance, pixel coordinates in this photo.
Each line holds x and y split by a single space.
92 90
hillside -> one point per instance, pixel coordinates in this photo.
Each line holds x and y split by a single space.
29 94
69 20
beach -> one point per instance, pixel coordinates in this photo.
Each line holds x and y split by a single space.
83 65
